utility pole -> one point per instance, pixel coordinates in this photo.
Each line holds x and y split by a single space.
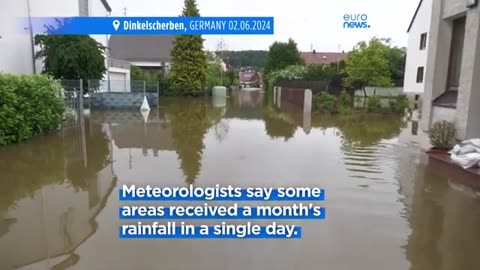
125 11
32 43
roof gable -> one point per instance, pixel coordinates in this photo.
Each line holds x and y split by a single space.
415 15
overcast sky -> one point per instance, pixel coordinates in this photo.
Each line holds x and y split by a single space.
311 23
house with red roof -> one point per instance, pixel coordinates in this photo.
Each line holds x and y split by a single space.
323 58
250 77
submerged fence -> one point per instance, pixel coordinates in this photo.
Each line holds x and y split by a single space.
79 94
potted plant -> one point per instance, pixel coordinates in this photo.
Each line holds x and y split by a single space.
442 136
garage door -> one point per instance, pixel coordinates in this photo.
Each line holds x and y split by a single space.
118 82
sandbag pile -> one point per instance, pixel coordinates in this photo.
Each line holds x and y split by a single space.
467 153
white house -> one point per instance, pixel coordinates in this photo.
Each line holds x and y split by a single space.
452 79
417 50
16 43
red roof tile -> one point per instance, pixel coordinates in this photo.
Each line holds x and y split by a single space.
318 58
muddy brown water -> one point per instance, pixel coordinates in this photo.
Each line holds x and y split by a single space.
386 207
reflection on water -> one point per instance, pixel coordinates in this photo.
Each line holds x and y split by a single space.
387 207
50 194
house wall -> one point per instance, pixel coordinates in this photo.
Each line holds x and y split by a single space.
437 66
468 108
437 61
443 113
16 52
416 57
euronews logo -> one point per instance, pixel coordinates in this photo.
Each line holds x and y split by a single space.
355 21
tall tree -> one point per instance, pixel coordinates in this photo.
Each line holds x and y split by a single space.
71 57
367 65
282 55
188 73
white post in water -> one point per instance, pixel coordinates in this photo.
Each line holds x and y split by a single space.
307 111
274 95
279 96
82 125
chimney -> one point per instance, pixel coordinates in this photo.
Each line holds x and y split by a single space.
313 51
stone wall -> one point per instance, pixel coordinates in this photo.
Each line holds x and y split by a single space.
121 100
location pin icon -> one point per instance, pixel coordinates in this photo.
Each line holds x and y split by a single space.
116 24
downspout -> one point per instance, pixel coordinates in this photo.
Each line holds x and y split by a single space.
32 43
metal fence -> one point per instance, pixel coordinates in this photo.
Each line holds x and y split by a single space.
126 86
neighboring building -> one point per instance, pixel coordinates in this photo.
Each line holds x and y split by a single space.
322 58
249 77
16 42
418 36
149 52
452 79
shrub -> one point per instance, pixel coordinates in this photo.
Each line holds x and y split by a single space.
326 102
442 134
293 72
344 99
29 105
374 104
399 104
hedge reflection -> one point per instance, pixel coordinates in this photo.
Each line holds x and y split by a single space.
362 129
278 124
47 160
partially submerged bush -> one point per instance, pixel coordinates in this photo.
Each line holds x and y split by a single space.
344 99
399 104
374 104
29 105
327 102
442 134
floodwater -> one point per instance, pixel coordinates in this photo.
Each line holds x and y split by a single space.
387 207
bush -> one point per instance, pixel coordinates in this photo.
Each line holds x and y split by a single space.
374 104
293 72
399 104
29 105
344 99
326 102
442 134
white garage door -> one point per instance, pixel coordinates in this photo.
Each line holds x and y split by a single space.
118 82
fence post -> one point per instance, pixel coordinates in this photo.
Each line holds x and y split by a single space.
279 96
307 111
144 86
82 125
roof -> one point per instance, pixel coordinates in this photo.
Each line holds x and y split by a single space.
415 15
106 5
141 48
320 58
249 76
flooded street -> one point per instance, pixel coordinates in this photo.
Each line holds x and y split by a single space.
386 207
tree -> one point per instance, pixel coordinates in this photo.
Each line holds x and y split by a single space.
220 53
367 65
71 57
396 62
250 58
282 55
188 73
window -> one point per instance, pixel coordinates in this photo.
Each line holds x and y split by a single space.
420 75
423 41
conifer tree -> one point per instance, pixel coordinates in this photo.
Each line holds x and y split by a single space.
188 74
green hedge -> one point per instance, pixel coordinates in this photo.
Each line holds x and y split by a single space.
29 105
